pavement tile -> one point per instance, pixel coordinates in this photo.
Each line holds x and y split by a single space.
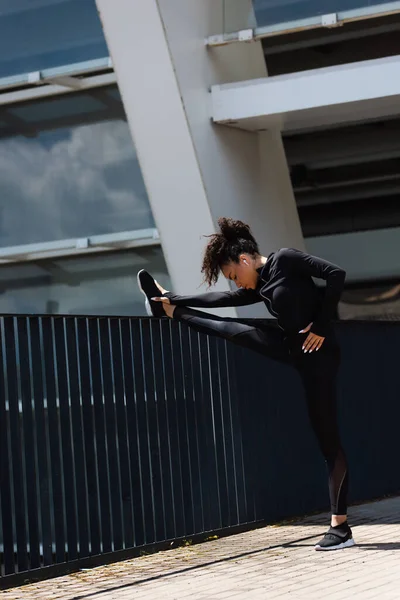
272 562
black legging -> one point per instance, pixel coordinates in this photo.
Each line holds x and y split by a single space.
317 370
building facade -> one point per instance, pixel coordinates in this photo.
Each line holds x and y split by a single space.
127 128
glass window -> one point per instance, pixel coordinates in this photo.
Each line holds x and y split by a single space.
372 301
97 284
372 263
265 13
42 34
63 107
270 12
68 169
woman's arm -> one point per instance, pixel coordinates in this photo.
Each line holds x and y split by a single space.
240 297
321 269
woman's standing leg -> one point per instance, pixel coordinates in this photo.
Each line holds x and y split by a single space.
318 372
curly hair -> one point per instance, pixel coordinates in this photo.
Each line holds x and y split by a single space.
234 239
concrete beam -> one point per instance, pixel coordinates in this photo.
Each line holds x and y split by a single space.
311 99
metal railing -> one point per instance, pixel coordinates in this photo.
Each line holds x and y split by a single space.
115 434
118 434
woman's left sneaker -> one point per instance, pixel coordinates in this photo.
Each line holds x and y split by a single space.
149 289
336 538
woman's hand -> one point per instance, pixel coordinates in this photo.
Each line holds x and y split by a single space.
162 299
167 306
312 341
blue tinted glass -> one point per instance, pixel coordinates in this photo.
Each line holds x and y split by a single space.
99 284
74 174
271 12
67 106
41 34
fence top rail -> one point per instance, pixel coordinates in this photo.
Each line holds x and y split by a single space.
346 323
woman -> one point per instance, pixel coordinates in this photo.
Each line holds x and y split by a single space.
283 281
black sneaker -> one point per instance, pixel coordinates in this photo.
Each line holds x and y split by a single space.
148 287
336 538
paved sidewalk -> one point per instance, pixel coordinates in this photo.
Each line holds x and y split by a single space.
268 563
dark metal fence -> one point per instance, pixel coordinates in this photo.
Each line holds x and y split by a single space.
118 434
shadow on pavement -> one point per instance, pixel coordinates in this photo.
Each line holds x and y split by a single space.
98 593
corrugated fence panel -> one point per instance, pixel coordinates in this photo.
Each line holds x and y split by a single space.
115 434
118 434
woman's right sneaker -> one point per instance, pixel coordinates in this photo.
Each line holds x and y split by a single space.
336 538
149 289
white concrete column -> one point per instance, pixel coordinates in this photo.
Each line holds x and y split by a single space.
195 171
281 225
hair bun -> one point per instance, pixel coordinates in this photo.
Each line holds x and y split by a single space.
233 230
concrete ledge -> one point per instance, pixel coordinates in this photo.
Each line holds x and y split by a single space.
333 95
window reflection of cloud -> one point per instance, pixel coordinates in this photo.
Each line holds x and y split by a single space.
85 183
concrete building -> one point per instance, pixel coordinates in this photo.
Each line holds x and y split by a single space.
128 127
